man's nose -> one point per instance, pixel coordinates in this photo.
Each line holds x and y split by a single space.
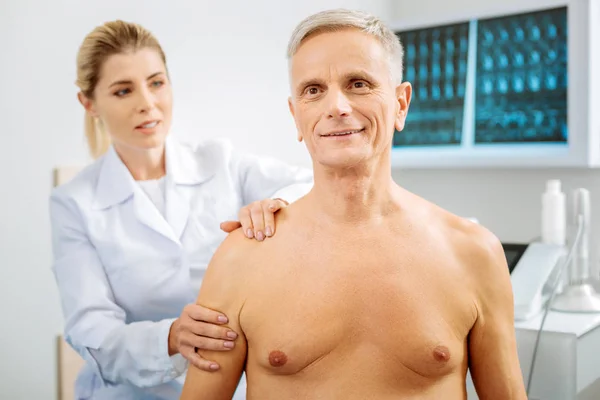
339 105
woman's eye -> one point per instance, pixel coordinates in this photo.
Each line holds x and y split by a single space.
359 85
157 83
122 92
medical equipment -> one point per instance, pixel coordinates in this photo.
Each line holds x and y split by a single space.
537 270
532 266
579 295
555 286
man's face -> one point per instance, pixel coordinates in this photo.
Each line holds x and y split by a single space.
344 99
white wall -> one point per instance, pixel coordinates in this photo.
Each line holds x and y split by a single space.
227 61
506 201
414 12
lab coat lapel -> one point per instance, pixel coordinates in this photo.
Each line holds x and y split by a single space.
177 209
185 171
147 213
115 185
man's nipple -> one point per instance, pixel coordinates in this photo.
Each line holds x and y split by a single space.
441 354
277 358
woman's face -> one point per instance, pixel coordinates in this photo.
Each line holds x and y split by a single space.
133 99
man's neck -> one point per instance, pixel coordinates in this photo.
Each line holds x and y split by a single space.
355 195
143 164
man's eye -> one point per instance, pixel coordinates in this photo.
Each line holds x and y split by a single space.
313 90
359 85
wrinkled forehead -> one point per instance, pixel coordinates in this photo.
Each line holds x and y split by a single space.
331 55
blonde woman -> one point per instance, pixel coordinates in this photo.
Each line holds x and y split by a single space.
133 232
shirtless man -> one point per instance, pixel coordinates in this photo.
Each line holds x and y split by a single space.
367 291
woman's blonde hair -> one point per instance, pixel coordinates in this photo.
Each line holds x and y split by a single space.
114 37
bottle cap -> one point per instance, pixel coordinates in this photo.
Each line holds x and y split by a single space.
553 186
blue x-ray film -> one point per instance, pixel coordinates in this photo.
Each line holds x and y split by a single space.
435 63
521 81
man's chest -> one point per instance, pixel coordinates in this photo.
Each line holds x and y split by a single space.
382 307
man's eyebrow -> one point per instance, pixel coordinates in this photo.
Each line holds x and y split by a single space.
309 82
359 75
126 82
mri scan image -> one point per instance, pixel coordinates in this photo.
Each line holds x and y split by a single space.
521 90
514 67
435 63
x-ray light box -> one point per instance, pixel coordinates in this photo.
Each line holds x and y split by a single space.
513 87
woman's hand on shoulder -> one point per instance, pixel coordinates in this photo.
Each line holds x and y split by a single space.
257 219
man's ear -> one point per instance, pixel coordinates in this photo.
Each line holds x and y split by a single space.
87 104
293 112
403 95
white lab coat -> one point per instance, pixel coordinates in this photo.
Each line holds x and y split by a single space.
125 272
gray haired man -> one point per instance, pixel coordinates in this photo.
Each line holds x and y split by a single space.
367 291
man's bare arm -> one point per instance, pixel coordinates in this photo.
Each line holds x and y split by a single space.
493 357
220 291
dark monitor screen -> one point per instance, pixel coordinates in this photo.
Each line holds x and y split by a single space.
513 253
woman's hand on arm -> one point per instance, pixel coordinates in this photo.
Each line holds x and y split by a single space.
199 328
224 288
257 219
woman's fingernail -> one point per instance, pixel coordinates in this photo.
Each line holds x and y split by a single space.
222 319
249 233
260 236
229 345
214 367
268 231
231 335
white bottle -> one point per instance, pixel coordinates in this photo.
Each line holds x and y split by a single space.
554 219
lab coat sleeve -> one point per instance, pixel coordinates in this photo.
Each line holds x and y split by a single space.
263 178
134 353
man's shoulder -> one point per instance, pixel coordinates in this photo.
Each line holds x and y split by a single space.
480 259
238 255
482 255
475 246
227 270
480 242
235 247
